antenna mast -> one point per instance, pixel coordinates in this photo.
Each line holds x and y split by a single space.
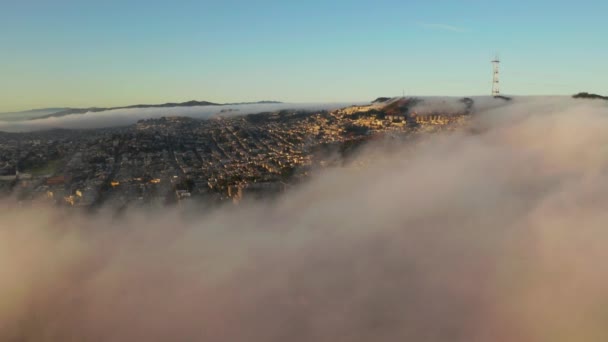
495 81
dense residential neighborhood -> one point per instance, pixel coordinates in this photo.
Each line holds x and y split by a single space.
176 159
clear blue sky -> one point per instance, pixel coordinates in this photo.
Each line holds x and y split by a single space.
106 53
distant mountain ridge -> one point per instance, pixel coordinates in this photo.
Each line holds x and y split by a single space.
28 114
39 110
193 103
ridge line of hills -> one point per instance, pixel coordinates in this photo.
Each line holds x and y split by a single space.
58 112
192 103
45 113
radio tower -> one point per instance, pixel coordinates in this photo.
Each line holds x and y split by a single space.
495 82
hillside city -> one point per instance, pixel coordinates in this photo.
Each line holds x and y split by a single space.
172 160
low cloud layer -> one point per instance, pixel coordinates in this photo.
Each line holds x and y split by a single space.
499 235
123 117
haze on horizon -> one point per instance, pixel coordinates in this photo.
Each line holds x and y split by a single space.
81 54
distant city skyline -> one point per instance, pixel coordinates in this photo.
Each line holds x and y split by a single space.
113 53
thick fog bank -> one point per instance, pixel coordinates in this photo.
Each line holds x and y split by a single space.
499 235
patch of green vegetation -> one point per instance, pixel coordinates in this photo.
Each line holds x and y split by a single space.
50 168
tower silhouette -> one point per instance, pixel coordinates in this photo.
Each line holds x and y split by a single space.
495 79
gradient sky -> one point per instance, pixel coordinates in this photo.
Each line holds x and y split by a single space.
108 53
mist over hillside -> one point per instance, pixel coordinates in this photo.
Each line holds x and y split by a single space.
28 114
82 119
59 112
497 230
130 115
